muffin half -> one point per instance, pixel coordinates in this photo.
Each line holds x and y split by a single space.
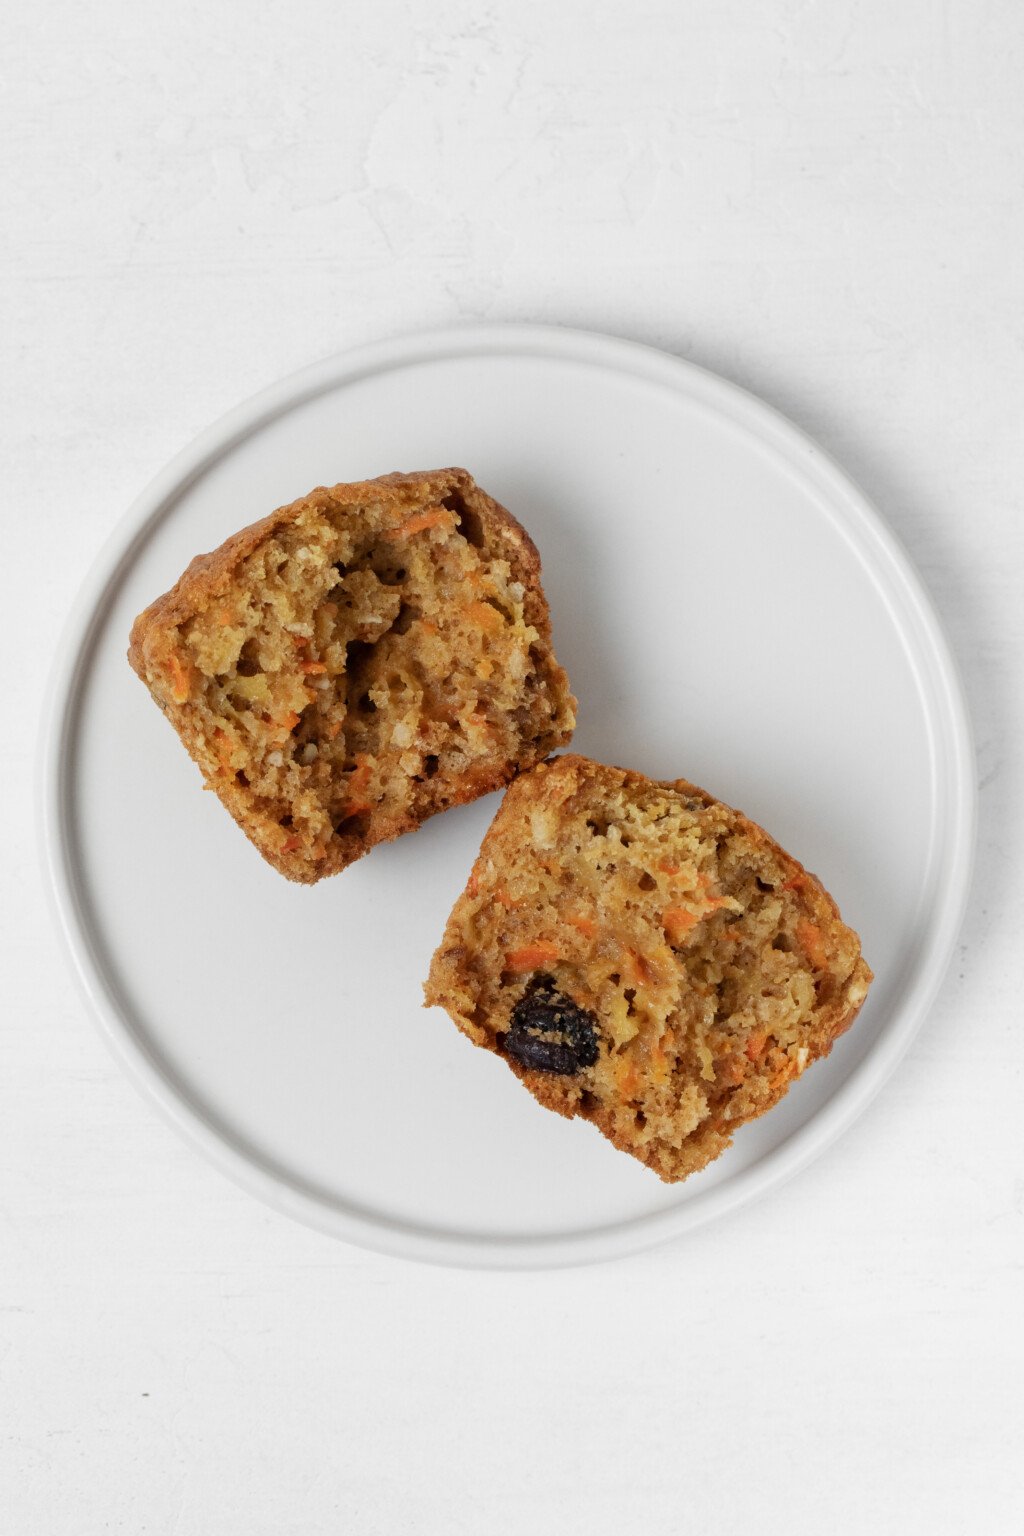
358 661
645 957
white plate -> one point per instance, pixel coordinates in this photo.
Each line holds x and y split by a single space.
729 609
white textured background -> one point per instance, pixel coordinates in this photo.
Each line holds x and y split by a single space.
822 201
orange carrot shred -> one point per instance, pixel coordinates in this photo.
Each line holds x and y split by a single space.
810 939
532 955
668 868
223 750
626 1079
677 922
179 681
313 666
419 522
360 777
485 616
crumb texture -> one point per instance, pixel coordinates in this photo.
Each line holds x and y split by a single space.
358 661
645 957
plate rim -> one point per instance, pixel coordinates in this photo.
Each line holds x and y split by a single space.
618 355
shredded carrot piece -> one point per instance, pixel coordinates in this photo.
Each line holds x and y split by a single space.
300 641
503 898
288 722
180 686
333 730
223 750
472 884
428 627
795 884
586 925
677 922
419 522
361 777
356 808
811 941
226 616
668 868
291 843
626 1079
313 666
485 616
532 955
756 1044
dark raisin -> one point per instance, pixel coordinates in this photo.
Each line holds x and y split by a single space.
549 1032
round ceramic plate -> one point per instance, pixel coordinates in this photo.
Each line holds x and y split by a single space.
729 609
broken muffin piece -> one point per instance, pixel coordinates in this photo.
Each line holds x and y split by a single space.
645 957
358 661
